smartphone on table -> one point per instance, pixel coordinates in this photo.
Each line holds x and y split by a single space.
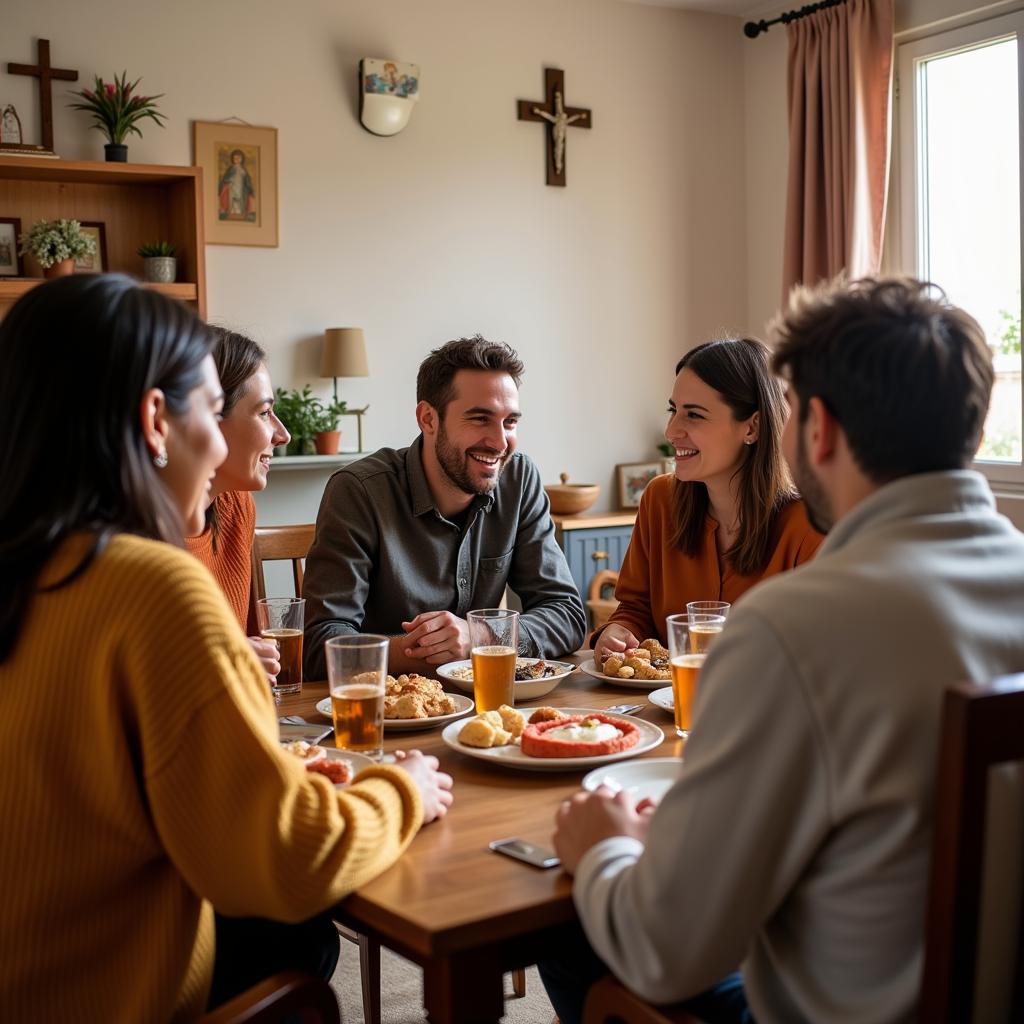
529 853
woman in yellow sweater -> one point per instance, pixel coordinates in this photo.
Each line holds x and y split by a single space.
730 515
142 782
251 430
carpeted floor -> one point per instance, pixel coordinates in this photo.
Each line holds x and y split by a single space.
401 984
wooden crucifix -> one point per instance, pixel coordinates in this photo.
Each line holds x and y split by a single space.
558 117
46 76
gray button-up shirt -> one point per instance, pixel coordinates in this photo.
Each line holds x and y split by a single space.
383 553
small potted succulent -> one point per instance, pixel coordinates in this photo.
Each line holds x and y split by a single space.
158 262
327 436
55 245
116 109
297 410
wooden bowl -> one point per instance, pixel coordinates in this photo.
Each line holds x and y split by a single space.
571 499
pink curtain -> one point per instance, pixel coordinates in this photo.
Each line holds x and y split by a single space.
840 88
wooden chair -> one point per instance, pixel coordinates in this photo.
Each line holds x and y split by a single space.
284 996
292 543
974 938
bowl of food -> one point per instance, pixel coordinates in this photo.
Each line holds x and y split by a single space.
571 499
535 677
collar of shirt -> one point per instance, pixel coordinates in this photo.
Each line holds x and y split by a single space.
419 490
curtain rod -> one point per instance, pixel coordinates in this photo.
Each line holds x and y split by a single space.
753 29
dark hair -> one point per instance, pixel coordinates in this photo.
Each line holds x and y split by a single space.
76 356
906 374
738 369
435 380
237 357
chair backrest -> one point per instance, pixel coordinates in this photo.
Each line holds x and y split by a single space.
280 543
288 996
974 956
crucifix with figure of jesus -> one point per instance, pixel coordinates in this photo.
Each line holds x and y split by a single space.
558 118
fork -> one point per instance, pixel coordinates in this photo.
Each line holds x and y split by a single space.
624 709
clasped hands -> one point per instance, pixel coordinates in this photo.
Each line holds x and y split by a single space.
588 817
436 638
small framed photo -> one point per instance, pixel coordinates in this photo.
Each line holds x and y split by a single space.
633 477
97 262
239 165
10 261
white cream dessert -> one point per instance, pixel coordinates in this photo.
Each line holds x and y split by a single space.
587 731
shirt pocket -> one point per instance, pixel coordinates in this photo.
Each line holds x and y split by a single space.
496 565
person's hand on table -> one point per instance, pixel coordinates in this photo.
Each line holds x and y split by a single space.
437 637
614 640
269 654
435 786
586 818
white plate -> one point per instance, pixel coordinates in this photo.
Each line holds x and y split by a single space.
663 699
631 684
526 689
510 756
650 778
463 705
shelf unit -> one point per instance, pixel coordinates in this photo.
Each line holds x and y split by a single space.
136 203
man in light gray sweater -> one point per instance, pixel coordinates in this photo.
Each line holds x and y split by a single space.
795 843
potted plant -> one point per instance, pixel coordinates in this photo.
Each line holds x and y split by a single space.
668 463
55 245
327 436
158 262
297 411
116 110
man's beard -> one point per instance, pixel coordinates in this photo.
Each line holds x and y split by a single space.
453 464
819 508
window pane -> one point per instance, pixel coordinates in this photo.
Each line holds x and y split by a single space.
969 216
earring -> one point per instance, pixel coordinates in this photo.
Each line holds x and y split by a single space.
160 459
749 440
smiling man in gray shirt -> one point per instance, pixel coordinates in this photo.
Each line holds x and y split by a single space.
409 540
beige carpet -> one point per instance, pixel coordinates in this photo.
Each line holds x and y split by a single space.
401 986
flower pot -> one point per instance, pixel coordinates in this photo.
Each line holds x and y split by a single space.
327 442
115 153
160 269
60 269
280 451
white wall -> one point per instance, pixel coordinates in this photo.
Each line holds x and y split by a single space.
448 228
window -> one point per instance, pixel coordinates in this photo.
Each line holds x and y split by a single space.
960 199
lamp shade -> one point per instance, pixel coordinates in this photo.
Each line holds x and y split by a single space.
344 353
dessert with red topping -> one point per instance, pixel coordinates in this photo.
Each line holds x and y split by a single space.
339 772
579 736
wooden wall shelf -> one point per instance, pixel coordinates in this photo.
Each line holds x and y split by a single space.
137 203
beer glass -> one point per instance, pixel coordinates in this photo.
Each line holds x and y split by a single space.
707 619
494 646
686 662
357 667
281 619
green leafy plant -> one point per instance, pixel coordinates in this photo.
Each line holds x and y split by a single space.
52 241
116 108
297 410
1008 343
151 249
666 449
326 417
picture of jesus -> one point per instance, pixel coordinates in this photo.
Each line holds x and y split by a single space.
236 190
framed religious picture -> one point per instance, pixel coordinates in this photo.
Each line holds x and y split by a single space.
10 261
95 263
239 165
633 477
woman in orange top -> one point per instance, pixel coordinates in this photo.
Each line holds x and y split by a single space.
730 515
251 430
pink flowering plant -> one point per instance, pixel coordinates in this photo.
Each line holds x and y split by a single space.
117 108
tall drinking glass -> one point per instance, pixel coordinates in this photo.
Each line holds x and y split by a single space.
494 645
357 668
686 663
704 630
281 619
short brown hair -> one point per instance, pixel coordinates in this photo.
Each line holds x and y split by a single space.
435 380
907 375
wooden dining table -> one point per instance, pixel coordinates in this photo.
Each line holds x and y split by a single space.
463 913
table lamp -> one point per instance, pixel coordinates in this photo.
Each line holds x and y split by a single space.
344 355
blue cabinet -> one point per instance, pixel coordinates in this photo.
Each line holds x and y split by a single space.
593 543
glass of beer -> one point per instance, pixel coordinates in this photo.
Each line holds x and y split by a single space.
281 619
686 662
357 668
494 646
703 630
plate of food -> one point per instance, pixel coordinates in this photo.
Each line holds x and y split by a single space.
649 779
340 766
414 702
551 739
663 699
535 677
642 668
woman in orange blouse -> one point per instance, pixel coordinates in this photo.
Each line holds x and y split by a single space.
730 515
251 430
